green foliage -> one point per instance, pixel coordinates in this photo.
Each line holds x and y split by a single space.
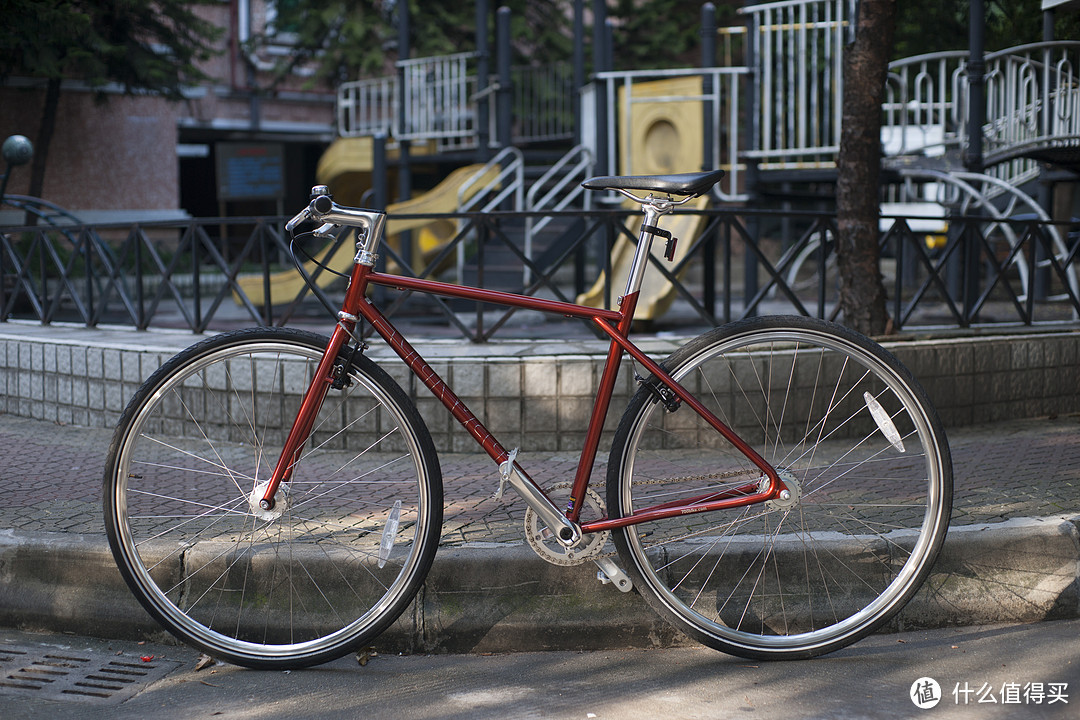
661 33
345 38
925 26
350 39
142 45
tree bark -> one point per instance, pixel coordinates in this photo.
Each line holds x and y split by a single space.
862 293
46 128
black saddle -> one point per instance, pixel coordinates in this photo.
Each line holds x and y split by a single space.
681 184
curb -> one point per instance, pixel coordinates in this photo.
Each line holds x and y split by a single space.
493 597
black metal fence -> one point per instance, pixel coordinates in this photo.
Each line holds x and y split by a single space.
211 274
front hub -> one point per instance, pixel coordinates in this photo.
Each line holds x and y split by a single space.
281 502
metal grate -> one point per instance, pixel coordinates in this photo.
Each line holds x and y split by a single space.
53 673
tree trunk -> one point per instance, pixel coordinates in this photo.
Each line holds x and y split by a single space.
46 128
862 294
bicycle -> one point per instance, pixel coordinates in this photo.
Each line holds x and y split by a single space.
777 488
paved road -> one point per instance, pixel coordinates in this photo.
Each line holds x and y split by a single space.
1025 468
1029 671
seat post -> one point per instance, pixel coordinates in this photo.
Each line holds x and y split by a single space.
653 208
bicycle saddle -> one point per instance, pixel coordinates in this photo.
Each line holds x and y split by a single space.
682 184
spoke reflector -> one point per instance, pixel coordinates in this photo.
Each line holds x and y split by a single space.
389 532
884 422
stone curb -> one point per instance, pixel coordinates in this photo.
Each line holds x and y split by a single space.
499 597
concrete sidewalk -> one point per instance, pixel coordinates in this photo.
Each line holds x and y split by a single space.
1012 555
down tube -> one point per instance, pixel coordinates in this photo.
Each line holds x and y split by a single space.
431 379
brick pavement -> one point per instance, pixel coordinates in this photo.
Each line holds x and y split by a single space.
51 478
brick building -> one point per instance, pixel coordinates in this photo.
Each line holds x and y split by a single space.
230 148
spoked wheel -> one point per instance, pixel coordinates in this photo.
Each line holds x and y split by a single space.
857 443
345 548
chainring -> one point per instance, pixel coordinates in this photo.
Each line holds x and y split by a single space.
543 541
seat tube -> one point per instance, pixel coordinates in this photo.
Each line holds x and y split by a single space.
644 246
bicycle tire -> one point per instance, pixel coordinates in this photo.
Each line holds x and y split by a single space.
352 536
868 514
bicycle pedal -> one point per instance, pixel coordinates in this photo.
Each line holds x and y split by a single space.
611 574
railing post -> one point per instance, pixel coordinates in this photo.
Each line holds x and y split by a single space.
196 280
3 274
708 61
84 239
404 146
976 72
483 79
753 100
579 65
973 159
504 99
267 309
599 35
142 322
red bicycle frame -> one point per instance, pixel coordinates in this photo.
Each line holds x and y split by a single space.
615 324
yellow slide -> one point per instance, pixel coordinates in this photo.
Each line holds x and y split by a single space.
443 198
656 292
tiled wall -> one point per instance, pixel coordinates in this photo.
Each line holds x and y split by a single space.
548 398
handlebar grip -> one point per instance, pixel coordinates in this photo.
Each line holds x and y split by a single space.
297 219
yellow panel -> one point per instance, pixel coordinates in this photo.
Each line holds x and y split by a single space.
664 136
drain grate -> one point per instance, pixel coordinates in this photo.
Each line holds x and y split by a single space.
53 673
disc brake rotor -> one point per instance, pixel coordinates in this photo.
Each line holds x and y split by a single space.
543 541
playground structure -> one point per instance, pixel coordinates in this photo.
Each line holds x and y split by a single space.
978 185
772 121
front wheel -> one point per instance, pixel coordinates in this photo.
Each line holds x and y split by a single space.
354 529
855 440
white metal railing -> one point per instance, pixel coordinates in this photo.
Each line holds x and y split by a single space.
1032 104
925 105
367 107
441 103
797 48
437 93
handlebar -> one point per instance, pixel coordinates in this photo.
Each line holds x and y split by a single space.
324 210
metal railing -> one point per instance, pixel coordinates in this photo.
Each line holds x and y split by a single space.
925 104
1033 104
543 102
437 94
440 99
796 49
367 107
1019 270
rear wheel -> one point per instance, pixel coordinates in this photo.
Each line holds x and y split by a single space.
857 443
349 541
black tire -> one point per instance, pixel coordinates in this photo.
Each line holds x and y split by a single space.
309 582
804 577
